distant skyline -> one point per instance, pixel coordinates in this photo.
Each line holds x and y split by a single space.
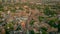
43 1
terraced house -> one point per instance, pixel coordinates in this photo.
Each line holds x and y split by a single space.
9 0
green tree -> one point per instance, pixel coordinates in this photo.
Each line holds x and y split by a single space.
1 7
52 23
32 22
49 12
41 18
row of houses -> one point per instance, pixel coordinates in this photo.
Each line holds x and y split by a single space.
12 0
38 1
23 1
